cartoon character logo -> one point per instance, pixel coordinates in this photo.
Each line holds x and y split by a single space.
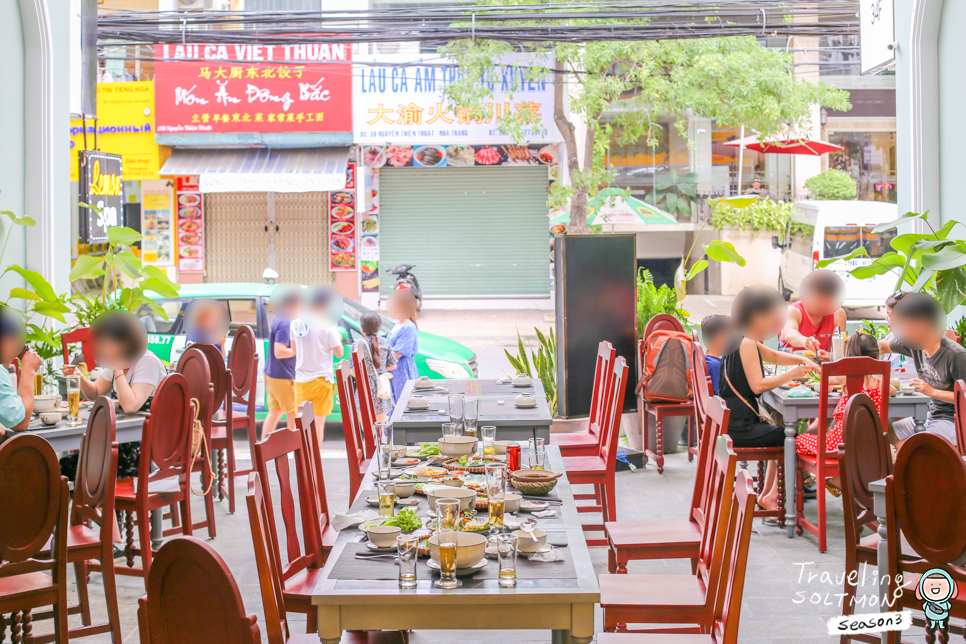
936 590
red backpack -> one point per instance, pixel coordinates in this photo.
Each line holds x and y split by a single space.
666 373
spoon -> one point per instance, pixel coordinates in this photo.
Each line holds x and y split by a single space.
527 525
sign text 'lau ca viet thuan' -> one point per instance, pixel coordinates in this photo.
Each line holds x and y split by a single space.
253 88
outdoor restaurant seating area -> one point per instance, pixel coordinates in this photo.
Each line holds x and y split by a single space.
478 518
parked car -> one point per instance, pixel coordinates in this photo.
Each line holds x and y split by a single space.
840 227
247 304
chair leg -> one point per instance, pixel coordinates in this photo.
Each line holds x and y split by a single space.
611 562
15 634
820 497
799 498
175 518
110 596
645 426
28 627
220 484
208 476
609 502
312 622
144 534
780 476
231 475
187 526
80 575
129 538
659 435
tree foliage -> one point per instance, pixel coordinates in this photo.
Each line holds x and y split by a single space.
832 185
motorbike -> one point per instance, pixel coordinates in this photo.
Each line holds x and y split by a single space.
406 280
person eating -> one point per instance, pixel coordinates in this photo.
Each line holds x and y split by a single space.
815 316
16 405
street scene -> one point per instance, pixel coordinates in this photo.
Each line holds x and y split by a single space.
398 322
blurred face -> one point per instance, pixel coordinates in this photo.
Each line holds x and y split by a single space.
756 185
915 333
10 348
820 304
206 321
767 324
118 340
13 335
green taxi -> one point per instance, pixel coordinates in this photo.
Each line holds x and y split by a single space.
247 305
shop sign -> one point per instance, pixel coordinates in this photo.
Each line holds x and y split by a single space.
342 225
101 186
125 126
399 99
253 88
876 35
438 155
158 223
369 237
191 226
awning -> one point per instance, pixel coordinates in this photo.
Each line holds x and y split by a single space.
261 169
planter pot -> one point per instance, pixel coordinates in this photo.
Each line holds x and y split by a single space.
673 433
762 265
631 428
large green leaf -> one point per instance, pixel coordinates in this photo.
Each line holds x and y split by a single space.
157 308
159 286
696 268
925 276
39 334
742 201
943 233
128 262
87 267
24 294
671 201
689 189
951 288
19 221
722 251
856 252
881 228
931 244
949 257
881 266
48 309
904 243
41 286
122 235
517 366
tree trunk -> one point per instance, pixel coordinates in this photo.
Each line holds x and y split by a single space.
578 198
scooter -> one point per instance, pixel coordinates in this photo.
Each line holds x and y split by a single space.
408 281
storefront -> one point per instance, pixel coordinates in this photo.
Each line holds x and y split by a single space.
867 133
449 194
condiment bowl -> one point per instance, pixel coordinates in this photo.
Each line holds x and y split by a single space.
384 536
51 417
465 496
45 403
499 447
528 545
404 489
511 502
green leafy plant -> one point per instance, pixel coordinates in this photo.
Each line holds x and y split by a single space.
960 328
878 331
833 185
674 194
764 214
653 300
924 262
541 363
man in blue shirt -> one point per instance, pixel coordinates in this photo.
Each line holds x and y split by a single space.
280 367
716 332
16 405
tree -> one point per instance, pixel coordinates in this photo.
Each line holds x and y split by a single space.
620 89
832 185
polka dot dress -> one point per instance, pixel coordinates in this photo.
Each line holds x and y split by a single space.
807 444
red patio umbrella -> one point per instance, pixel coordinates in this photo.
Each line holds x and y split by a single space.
791 146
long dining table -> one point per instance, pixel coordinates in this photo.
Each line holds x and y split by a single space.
354 594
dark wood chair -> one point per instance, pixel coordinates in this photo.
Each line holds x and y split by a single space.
959 392
305 423
166 442
358 463
588 443
727 611
674 538
926 503
680 599
34 500
303 544
93 505
366 409
192 598
599 470
78 336
193 365
660 411
824 465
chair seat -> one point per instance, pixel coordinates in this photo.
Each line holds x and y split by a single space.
23 586
80 536
574 439
669 407
219 433
301 585
810 461
592 464
653 638
870 543
671 534
652 591
127 488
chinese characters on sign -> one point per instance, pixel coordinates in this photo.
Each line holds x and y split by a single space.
342 225
369 240
399 98
191 226
253 88
101 187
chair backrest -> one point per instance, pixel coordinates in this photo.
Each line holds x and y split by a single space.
722 487
662 322
959 392
81 336
166 435
194 366
33 506
305 422
243 364
611 416
96 478
865 457
603 377
854 369
366 405
220 376
277 447
267 563
731 586
192 598
353 441
718 416
702 395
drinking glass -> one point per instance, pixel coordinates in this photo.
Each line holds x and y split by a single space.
447 559
456 408
506 548
489 436
471 415
73 399
447 514
450 429
38 384
387 498
496 507
496 476
383 436
407 553
536 453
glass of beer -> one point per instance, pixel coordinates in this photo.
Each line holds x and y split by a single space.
406 549
73 399
506 548
38 384
496 507
447 559
489 437
447 514
536 453
387 498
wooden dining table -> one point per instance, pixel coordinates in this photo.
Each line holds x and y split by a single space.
497 408
792 409
364 595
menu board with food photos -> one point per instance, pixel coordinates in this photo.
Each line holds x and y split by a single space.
369 237
342 225
157 223
191 226
458 156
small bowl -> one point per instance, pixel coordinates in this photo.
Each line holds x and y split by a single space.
528 545
453 481
522 380
511 502
499 447
466 496
456 446
404 489
51 417
533 506
398 452
907 390
45 403
470 548
525 401
423 382
384 536
417 402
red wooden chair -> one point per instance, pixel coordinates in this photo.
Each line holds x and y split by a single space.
93 505
588 443
926 503
825 465
358 463
303 545
78 336
270 579
675 538
660 411
727 611
192 598
221 395
193 365
305 423
680 599
959 392
34 498
599 470
366 409
166 442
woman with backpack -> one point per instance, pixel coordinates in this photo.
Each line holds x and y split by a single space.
379 360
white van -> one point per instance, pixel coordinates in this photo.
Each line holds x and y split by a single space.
840 227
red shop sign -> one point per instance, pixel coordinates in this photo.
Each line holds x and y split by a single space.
253 88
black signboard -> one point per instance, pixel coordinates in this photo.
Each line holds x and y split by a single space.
101 186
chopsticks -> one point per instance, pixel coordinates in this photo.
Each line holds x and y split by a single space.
544 500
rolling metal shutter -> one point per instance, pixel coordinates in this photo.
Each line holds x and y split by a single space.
236 242
468 231
301 249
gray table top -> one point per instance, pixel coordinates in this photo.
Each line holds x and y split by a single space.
496 404
64 437
900 406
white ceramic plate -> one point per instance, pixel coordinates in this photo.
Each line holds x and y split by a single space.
533 506
460 572
376 548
